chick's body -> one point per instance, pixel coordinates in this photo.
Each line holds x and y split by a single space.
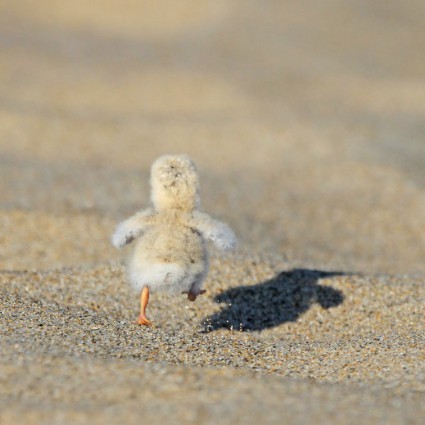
170 256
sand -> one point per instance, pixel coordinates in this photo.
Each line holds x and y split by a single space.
306 120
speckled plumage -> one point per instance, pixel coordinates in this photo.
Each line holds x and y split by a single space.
170 239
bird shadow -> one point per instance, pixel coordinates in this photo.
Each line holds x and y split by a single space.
281 299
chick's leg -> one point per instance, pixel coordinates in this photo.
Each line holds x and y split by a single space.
195 290
191 296
144 299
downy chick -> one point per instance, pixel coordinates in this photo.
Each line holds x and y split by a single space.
170 252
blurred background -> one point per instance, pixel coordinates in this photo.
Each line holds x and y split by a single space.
306 119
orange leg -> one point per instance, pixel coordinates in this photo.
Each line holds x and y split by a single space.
144 299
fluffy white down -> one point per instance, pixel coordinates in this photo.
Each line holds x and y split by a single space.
168 277
218 232
223 236
121 237
170 252
131 228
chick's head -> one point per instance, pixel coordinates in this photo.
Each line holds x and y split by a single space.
175 183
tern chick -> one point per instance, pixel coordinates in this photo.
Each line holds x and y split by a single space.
170 252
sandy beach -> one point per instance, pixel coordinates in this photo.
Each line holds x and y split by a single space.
306 121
